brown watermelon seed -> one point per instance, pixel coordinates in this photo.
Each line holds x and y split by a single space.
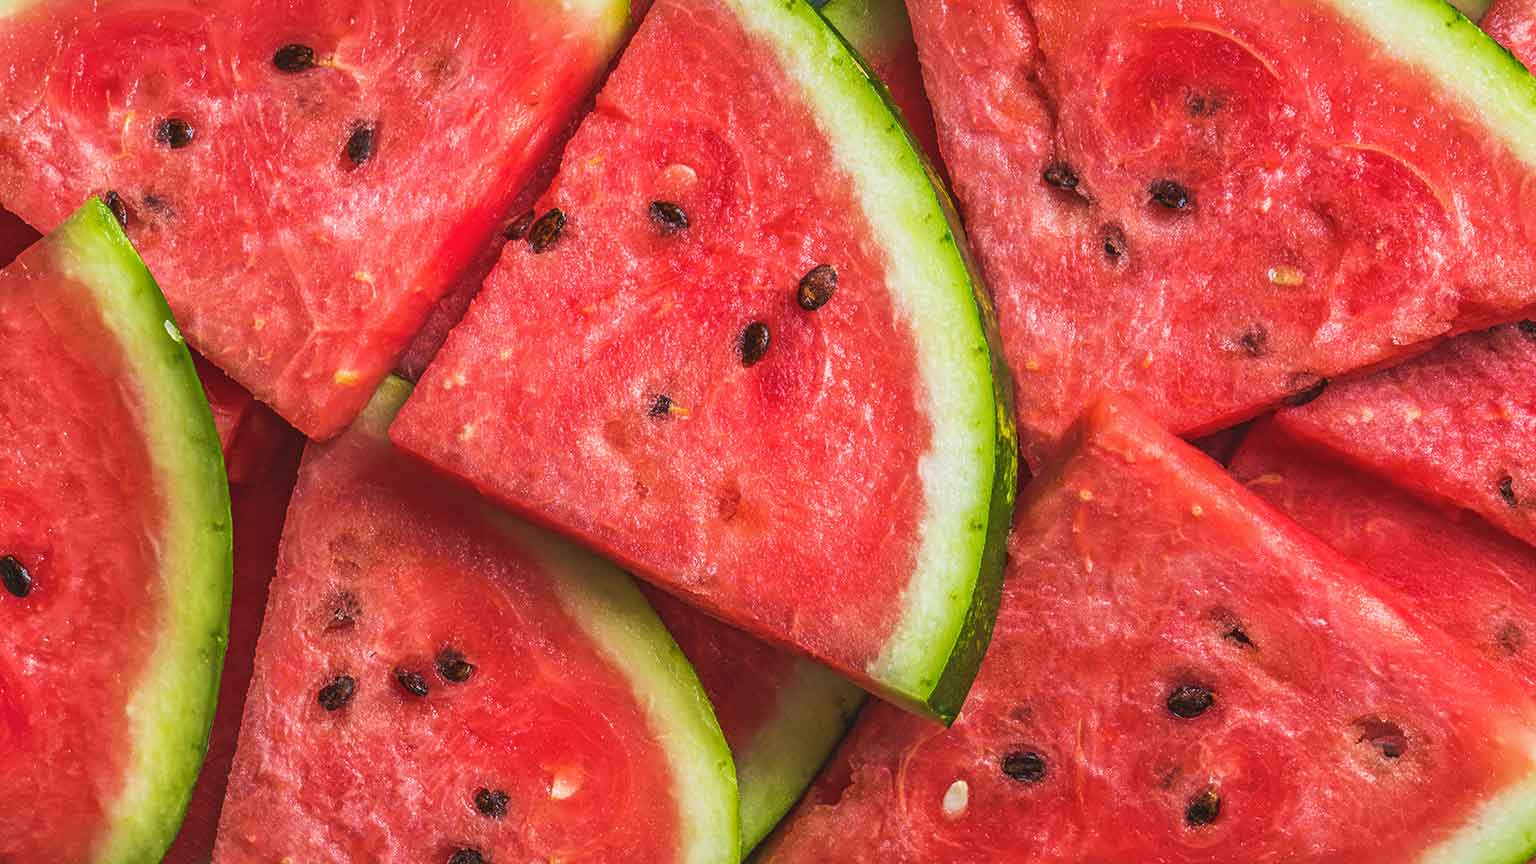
1190 701
15 576
412 682
1115 247
491 803
1507 491
1308 393
1527 329
1170 194
1510 638
361 144
174 132
754 343
453 667
544 232
669 217
1025 766
661 407
1255 341
816 287
337 694
518 228
1202 809
466 855
345 611
293 58
1060 175
118 207
1386 737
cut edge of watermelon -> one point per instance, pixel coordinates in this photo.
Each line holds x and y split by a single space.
815 705
1439 38
1502 831
173 703
613 613
969 471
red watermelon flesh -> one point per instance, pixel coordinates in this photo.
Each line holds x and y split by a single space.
1179 674
257 510
386 571
15 235
303 222
1457 425
1513 24
1218 204
1474 580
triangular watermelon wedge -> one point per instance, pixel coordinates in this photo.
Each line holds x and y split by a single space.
437 683
1217 205
114 554
305 180
1475 581
1457 425
741 353
1179 674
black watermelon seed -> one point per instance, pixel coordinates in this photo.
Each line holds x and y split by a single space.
1060 175
1507 490
1115 247
1202 809
1170 194
1387 738
453 667
15 576
662 407
1527 329
466 855
1308 393
518 228
412 682
491 803
1025 766
1190 701
669 217
543 234
118 207
817 287
754 343
294 58
1236 634
335 695
1255 341
362 143
345 611
174 132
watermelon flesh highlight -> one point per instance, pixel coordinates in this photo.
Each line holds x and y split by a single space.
299 269
1472 579
1362 208
783 497
258 510
1512 23
1138 567
384 567
1457 425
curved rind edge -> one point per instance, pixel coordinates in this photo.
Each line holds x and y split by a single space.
1502 831
171 710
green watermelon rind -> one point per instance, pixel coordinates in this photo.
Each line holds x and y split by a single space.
969 473
612 612
171 710
812 712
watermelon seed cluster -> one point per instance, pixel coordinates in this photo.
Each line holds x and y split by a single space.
15 576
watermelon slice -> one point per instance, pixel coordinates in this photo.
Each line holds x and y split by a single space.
114 554
1456 425
285 168
881 34
258 510
15 235
782 715
742 355
1513 24
1219 204
1181 675
1476 581
437 683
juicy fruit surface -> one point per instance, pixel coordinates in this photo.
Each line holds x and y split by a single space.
1138 568
299 250
1512 23
257 511
386 567
1457 424
1362 209
605 384
1461 573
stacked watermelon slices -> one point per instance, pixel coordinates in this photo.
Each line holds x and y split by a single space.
717 424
